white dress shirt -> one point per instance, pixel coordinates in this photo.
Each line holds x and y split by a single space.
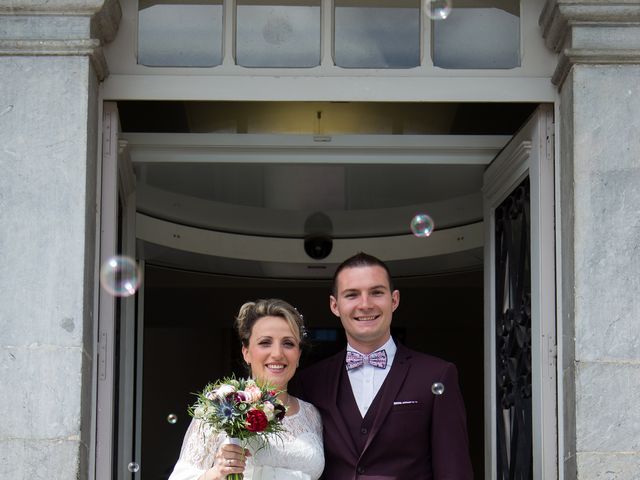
367 380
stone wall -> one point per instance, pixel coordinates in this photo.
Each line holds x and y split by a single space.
598 70
606 241
48 140
47 237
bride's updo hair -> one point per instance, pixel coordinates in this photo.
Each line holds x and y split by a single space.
251 312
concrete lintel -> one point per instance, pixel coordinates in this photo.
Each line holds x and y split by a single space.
57 48
105 15
561 18
60 28
53 7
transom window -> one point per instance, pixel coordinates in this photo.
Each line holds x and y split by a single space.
360 34
380 34
180 33
277 34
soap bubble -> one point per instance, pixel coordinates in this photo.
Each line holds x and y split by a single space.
437 9
133 467
120 276
422 225
172 418
437 388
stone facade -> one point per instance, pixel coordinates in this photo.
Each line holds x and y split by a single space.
598 70
50 66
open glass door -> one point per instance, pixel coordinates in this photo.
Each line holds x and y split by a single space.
520 314
115 415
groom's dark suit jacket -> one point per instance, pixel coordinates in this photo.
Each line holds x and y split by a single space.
408 432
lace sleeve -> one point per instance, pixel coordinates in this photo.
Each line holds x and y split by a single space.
198 450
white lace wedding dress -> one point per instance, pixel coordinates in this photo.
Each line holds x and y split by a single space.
296 455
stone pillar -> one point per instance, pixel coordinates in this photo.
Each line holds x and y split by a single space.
50 67
598 76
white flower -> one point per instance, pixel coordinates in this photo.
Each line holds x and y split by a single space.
223 390
200 411
269 410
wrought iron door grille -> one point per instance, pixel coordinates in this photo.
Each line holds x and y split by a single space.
513 336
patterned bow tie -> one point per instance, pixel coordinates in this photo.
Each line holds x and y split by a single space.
375 359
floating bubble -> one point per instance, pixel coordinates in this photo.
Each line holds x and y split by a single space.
437 388
133 467
422 225
120 276
172 418
438 9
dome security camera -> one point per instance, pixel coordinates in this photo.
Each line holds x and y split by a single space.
318 247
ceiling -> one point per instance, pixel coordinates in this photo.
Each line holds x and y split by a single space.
372 186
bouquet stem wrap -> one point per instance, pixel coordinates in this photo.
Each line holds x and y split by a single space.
234 441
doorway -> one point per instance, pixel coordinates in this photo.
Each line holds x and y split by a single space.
189 341
190 297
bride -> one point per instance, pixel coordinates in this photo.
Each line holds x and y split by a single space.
271 335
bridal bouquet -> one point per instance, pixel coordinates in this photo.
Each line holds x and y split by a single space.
241 408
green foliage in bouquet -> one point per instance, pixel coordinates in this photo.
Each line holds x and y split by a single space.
242 408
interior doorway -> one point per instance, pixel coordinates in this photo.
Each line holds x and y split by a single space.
190 297
189 340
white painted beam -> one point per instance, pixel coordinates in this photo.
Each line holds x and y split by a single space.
151 148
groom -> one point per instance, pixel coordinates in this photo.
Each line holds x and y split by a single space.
388 412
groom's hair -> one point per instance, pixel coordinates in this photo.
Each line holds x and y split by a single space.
360 260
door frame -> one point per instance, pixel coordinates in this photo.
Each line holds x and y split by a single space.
115 379
531 153
547 407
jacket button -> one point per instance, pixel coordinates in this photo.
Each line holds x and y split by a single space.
360 470
364 431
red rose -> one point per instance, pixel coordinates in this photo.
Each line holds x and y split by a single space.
256 420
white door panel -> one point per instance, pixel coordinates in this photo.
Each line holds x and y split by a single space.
527 158
117 316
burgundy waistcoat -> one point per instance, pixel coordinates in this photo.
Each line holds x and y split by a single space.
359 427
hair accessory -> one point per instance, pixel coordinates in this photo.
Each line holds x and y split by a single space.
303 330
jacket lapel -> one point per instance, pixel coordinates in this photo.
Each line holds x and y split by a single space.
390 389
335 371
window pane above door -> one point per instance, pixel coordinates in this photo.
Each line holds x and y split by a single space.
478 34
380 34
180 33
282 34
